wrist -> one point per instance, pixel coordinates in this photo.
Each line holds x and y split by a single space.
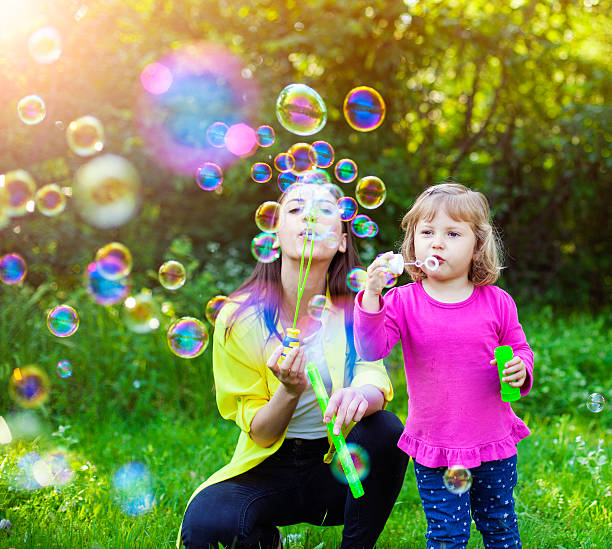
370 301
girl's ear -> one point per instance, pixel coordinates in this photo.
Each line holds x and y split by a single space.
343 243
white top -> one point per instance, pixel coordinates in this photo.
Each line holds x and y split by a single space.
307 420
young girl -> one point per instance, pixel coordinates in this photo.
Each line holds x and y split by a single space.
449 320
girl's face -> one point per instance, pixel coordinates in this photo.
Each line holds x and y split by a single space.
452 242
310 212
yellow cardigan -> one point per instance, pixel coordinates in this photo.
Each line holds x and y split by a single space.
244 383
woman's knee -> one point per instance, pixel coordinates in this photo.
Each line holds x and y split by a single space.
205 527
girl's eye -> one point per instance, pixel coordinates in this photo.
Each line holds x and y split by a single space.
426 232
453 233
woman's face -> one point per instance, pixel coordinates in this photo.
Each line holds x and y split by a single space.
309 212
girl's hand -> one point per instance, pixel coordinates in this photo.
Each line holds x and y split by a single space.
348 404
292 372
515 371
376 280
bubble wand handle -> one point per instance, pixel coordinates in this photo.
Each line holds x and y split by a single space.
339 442
503 354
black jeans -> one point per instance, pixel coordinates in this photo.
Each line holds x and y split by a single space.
294 485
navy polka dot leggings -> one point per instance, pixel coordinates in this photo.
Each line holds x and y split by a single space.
489 500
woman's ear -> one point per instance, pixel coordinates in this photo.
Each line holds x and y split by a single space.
276 244
343 243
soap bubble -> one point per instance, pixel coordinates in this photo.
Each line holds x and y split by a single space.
20 190
363 227
322 154
29 386
13 268
64 369
315 176
595 402
317 306
364 109
241 140
265 136
261 172
156 78
133 489
267 216
50 200
304 157
346 170
31 110
207 88
187 337
360 458
263 247
457 479
284 162
102 290
24 478
301 110
141 313
53 469
85 136
348 208
106 191
62 321
213 307
209 176
285 180
216 133
356 279
114 261
370 192
172 275
45 45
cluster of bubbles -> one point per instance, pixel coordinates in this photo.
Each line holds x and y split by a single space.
34 471
457 479
133 489
360 458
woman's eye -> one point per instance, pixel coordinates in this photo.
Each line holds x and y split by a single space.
453 233
296 210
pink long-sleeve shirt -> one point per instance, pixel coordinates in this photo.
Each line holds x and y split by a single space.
455 412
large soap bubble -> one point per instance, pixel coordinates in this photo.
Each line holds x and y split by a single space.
45 45
364 109
301 110
107 191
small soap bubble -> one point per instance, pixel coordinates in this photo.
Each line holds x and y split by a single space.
267 216
50 200
348 208
156 78
136 384
172 275
364 109
315 176
209 176
265 136
356 279
362 226
107 191
215 134
20 189
322 154
261 172
264 247
13 268
187 337
345 170
104 291
317 306
45 45
284 162
213 307
301 110
141 313
360 458
241 140
114 261
370 192
29 386
62 321
85 136
457 479
64 369
304 157
595 402
371 229
31 110
133 489
285 180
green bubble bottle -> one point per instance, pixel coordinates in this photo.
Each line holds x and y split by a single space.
504 354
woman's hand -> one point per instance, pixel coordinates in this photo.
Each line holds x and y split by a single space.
292 372
515 371
349 404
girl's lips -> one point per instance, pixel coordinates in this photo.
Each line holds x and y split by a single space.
440 259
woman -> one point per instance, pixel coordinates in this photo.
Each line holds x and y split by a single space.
280 472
